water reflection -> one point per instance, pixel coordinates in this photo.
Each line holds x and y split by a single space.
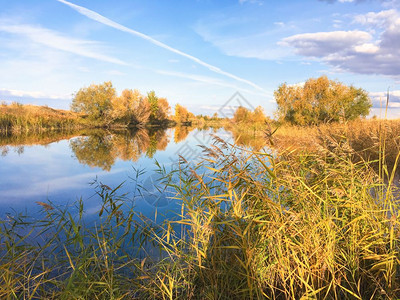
95 150
102 148
254 139
181 133
60 166
18 142
158 140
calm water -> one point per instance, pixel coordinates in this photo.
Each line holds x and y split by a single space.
60 167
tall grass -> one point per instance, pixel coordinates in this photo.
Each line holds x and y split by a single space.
370 139
251 225
22 118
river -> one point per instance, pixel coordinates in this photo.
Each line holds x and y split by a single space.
61 168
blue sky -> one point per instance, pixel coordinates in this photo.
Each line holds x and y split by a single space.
197 53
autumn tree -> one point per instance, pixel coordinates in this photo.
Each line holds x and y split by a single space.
131 107
244 115
241 115
163 109
258 115
95 101
182 115
321 100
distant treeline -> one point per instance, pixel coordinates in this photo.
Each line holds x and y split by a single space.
317 101
101 105
96 106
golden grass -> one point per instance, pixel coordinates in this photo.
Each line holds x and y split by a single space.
371 140
18 118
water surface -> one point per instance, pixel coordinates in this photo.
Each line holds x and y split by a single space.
60 167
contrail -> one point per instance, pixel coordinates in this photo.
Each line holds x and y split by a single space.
99 18
208 80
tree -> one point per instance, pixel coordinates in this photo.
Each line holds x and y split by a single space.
131 107
321 100
95 100
182 115
258 115
241 115
153 102
244 115
142 111
163 109
159 107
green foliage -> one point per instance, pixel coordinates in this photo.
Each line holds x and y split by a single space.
321 101
95 101
159 108
153 101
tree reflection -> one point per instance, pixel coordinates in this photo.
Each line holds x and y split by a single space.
158 141
15 143
95 150
181 133
103 148
131 145
254 139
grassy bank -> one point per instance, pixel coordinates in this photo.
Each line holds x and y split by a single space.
374 141
16 118
316 225
370 140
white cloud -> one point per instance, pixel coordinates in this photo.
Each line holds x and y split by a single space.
379 99
366 48
372 52
31 94
379 104
99 18
55 40
381 19
325 43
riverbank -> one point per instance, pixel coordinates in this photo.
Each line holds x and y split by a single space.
17 118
